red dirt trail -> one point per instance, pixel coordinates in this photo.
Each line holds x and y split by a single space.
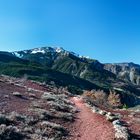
89 125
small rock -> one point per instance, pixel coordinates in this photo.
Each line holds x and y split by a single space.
101 112
109 114
17 94
111 118
95 109
116 122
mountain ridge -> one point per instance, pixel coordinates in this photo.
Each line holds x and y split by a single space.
67 62
68 69
129 70
59 49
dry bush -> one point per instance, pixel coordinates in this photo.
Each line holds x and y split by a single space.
64 116
63 90
114 99
10 133
58 129
4 119
49 96
96 97
55 126
89 94
14 116
42 114
61 106
58 102
100 98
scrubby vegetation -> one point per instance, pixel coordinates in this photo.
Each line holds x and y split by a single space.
114 99
100 98
10 133
40 111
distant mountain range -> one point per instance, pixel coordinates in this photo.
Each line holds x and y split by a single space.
70 69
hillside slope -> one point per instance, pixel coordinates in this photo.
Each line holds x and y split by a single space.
17 67
68 62
127 71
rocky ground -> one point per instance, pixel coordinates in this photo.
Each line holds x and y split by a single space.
131 120
128 118
36 111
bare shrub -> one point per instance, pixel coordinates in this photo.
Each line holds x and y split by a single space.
4 119
66 116
89 94
14 116
100 98
54 126
10 133
96 97
42 113
114 99
32 120
49 96
60 106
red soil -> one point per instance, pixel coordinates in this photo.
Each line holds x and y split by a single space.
89 125
13 103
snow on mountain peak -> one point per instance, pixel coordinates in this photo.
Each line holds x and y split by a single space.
45 50
59 49
38 50
17 54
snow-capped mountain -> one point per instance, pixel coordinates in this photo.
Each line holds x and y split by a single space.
59 58
46 50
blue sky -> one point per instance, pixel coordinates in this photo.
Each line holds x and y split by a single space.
107 30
